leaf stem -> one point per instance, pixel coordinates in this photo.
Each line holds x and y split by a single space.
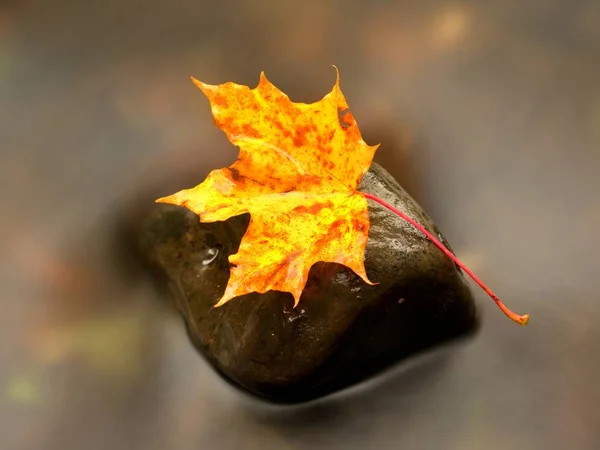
520 319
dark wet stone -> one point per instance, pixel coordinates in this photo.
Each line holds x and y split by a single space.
343 331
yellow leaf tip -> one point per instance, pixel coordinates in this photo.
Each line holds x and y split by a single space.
369 282
230 293
296 300
337 75
173 199
203 86
226 297
524 320
263 80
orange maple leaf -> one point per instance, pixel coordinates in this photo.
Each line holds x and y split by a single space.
297 173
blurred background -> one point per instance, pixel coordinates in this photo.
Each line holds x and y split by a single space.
487 111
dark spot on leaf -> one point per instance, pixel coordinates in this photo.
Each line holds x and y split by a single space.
342 117
330 136
220 100
338 223
240 179
300 136
357 225
235 174
249 131
312 209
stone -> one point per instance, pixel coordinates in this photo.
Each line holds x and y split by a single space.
342 332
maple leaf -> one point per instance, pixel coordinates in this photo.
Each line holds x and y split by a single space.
297 173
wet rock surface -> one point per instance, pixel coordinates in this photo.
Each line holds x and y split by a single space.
342 332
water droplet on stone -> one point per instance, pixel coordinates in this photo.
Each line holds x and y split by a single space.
294 314
210 256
